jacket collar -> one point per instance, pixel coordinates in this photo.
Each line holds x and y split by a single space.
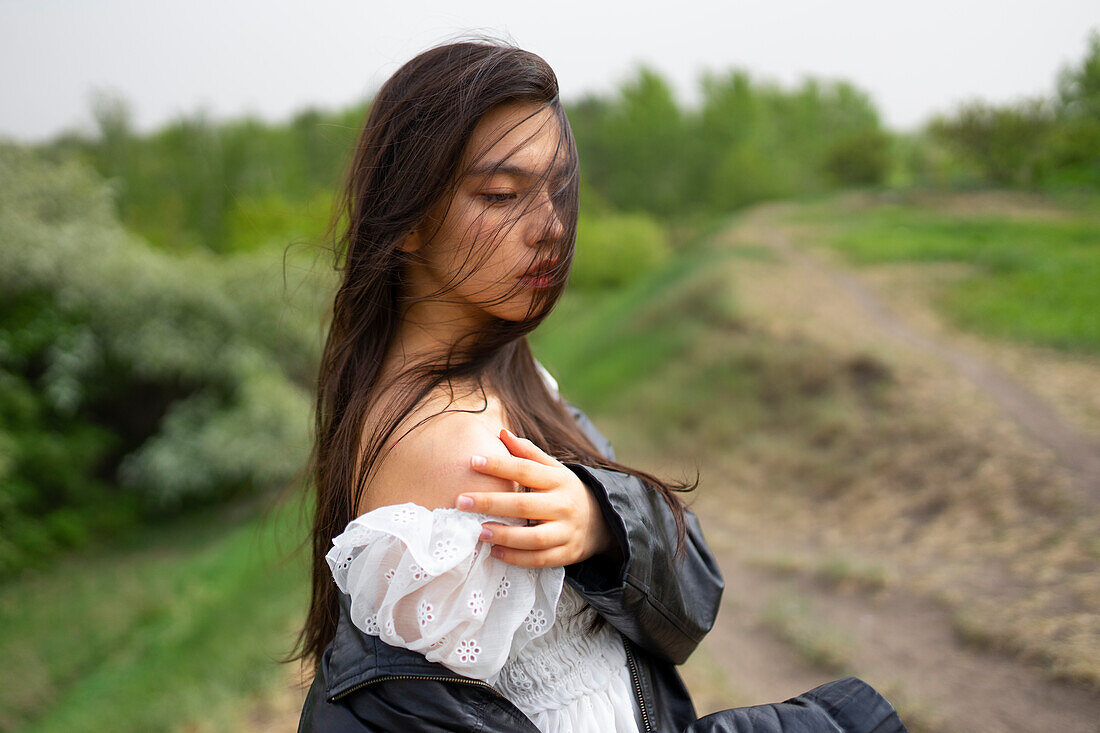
354 658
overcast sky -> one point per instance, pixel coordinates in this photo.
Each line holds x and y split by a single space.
272 58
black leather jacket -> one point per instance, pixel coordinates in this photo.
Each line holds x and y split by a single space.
661 607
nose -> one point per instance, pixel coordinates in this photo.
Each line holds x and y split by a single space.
549 226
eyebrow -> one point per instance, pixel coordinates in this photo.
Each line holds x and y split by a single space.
507 169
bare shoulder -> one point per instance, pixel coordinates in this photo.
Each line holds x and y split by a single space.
430 464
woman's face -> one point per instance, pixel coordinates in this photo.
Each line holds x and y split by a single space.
480 246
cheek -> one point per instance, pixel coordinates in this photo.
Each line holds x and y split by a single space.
452 244
483 246
475 245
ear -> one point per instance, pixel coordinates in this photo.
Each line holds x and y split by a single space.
417 235
412 241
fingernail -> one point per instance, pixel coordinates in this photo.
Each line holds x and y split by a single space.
477 461
486 535
509 432
497 553
465 502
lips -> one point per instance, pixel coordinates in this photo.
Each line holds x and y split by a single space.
540 268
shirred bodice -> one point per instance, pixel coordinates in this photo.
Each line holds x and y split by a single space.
571 679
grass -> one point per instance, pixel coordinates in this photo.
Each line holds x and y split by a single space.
599 343
919 716
1036 280
180 623
849 573
792 619
709 683
833 570
993 630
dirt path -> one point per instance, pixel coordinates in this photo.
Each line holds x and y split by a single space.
904 646
901 642
1034 414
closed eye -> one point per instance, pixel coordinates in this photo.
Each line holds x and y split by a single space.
498 198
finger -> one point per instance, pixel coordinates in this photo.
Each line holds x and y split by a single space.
545 536
522 470
512 504
532 558
525 448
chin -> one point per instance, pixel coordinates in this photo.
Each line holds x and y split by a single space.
514 316
520 307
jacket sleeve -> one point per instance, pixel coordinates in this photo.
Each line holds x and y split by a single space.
664 605
849 705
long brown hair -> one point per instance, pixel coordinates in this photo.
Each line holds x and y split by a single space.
405 164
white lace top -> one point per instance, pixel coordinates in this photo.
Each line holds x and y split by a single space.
421 579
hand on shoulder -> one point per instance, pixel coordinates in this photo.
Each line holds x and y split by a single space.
569 524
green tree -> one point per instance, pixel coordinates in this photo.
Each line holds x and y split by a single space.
644 131
1073 151
1004 142
1079 87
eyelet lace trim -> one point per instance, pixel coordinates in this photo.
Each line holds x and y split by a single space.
421 579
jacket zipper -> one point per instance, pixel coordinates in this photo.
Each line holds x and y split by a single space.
388 677
637 684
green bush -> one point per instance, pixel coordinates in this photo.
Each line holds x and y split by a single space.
1052 142
1005 142
183 186
256 222
860 158
1072 157
615 249
744 174
135 381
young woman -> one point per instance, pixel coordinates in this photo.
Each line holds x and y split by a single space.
481 561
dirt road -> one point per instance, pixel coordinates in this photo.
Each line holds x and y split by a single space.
785 626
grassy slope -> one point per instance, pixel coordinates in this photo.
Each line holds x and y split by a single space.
177 623
1036 279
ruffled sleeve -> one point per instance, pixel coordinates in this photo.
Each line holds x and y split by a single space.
422 580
